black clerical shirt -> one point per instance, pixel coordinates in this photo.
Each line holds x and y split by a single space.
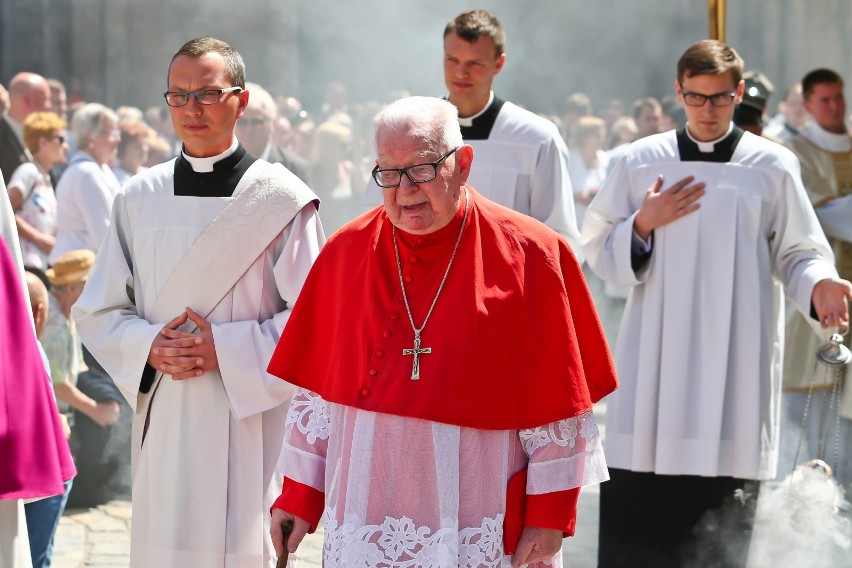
723 150
221 182
480 128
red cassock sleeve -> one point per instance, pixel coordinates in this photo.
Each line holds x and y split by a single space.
557 510
553 511
301 500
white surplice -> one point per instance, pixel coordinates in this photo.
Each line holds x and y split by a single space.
203 480
404 492
524 165
699 349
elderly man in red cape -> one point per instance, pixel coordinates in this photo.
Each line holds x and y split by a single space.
447 355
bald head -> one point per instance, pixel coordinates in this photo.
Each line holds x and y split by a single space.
28 93
38 300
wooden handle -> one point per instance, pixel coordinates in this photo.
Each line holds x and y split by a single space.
286 529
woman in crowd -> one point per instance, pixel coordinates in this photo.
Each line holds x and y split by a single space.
87 188
31 189
623 131
333 173
588 162
132 150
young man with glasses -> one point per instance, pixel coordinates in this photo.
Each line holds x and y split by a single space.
191 288
695 422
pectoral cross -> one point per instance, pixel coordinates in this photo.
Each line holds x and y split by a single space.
415 370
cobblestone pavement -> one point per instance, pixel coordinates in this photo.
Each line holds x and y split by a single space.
95 537
100 537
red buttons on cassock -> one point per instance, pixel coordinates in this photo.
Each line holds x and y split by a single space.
408 278
413 258
419 240
394 316
372 372
365 391
386 334
380 353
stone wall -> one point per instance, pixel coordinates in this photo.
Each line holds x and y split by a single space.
117 51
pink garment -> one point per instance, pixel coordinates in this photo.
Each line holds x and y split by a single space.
404 492
34 456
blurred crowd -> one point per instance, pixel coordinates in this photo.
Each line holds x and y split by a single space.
64 161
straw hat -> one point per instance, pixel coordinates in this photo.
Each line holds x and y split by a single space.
71 267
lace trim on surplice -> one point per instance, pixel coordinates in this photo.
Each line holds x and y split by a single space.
311 415
399 543
563 433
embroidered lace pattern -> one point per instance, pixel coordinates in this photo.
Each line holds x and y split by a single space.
563 433
311 415
399 543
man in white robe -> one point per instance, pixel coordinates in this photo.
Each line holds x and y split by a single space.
699 350
824 148
521 159
204 257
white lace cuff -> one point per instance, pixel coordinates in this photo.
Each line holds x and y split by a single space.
307 431
564 455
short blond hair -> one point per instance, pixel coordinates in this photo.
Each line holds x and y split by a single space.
40 125
331 141
586 127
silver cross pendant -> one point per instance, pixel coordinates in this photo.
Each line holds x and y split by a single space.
415 370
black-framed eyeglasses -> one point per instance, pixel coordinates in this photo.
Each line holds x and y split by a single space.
716 99
203 97
418 173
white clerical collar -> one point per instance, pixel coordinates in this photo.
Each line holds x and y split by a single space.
202 165
708 147
468 120
828 141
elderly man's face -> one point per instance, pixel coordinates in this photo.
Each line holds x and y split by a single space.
206 130
254 130
421 208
